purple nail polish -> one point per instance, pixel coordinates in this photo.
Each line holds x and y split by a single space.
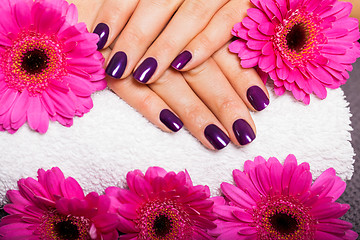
257 98
146 69
170 120
181 60
216 136
243 132
117 65
103 31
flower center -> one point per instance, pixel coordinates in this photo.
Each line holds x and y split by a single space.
163 220
298 37
60 227
162 225
66 230
33 61
284 223
283 217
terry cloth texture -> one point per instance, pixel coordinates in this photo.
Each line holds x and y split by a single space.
113 139
352 193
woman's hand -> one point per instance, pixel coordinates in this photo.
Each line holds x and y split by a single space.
211 99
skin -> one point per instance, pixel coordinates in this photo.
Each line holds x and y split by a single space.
212 87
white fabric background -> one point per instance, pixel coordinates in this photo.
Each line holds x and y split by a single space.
101 147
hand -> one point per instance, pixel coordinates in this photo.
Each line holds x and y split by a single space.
214 93
159 30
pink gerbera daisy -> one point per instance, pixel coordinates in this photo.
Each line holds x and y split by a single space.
53 207
304 46
49 64
275 201
162 205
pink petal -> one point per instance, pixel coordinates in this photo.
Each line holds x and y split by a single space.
244 183
256 45
268 49
249 63
128 211
237 46
237 196
279 90
263 177
22 13
257 15
329 210
79 86
325 235
106 222
142 187
72 189
290 165
34 112
7 100
318 88
257 35
20 107
267 63
62 103
276 169
249 23
275 10
320 73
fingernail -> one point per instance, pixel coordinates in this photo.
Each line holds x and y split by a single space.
181 60
170 120
146 69
117 65
257 98
103 31
243 132
216 136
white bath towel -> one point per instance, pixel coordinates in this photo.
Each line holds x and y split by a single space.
101 147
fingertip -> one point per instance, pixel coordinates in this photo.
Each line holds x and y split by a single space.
102 30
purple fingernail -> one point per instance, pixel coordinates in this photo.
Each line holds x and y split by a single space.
243 132
181 60
170 120
216 136
257 98
117 65
103 31
146 69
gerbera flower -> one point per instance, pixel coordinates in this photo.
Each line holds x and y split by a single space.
275 201
162 205
305 46
53 207
49 64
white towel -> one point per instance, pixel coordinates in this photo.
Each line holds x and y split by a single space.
101 147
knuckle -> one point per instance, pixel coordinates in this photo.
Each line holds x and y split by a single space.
146 102
229 17
197 9
195 73
226 104
166 47
133 36
164 3
192 114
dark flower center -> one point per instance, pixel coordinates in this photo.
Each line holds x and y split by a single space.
284 223
34 61
297 37
66 230
162 225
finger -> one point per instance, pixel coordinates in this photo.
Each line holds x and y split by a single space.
189 20
216 92
146 23
246 82
111 19
197 118
216 34
145 101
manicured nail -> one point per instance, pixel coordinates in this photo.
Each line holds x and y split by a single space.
103 31
117 65
216 136
257 98
181 60
170 120
146 69
243 132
